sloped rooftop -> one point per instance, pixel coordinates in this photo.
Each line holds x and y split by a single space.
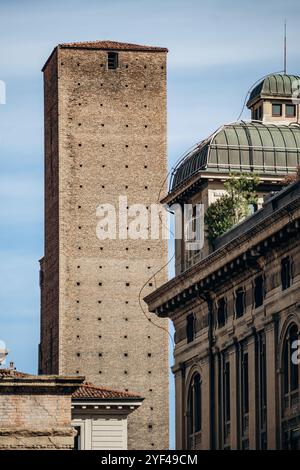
112 46
105 45
91 391
85 390
265 149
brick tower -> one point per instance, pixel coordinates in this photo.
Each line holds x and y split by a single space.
105 137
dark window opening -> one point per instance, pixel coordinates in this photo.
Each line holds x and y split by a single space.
226 395
240 302
258 291
222 312
262 391
276 109
290 110
112 60
286 273
291 439
224 402
244 399
257 114
245 384
194 410
190 328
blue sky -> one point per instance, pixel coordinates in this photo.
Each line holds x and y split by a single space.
217 50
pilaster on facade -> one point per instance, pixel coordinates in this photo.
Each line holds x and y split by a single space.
272 385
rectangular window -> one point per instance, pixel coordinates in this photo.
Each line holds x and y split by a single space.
290 110
227 391
112 60
244 397
262 390
225 405
240 302
193 229
258 291
257 114
222 312
260 113
190 328
276 109
245 385
286 275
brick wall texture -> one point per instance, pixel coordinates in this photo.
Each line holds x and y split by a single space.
105 136
35 421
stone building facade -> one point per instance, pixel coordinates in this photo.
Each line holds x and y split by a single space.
105 137
235 306
236 316
36 411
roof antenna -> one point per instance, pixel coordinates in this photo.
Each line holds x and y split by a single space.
284 47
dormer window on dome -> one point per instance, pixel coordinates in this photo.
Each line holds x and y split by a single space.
276 109
275 99
290 110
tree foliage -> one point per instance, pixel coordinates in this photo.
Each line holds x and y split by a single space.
233 206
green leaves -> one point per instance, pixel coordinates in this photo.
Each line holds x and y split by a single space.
232 207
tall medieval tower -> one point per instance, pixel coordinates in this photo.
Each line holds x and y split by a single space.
105 137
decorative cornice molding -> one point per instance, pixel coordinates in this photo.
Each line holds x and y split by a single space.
242 252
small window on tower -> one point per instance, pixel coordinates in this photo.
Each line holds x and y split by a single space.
112 60
276 109
290 110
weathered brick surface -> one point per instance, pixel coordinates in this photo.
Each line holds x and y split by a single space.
111 136
48 354
35 412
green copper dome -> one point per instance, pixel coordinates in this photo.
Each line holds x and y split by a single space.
276 85
264 149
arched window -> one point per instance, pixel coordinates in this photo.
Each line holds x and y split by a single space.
194 411
290 389
290 367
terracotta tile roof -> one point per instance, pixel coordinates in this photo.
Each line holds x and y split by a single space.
113 45
85 390
90 391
